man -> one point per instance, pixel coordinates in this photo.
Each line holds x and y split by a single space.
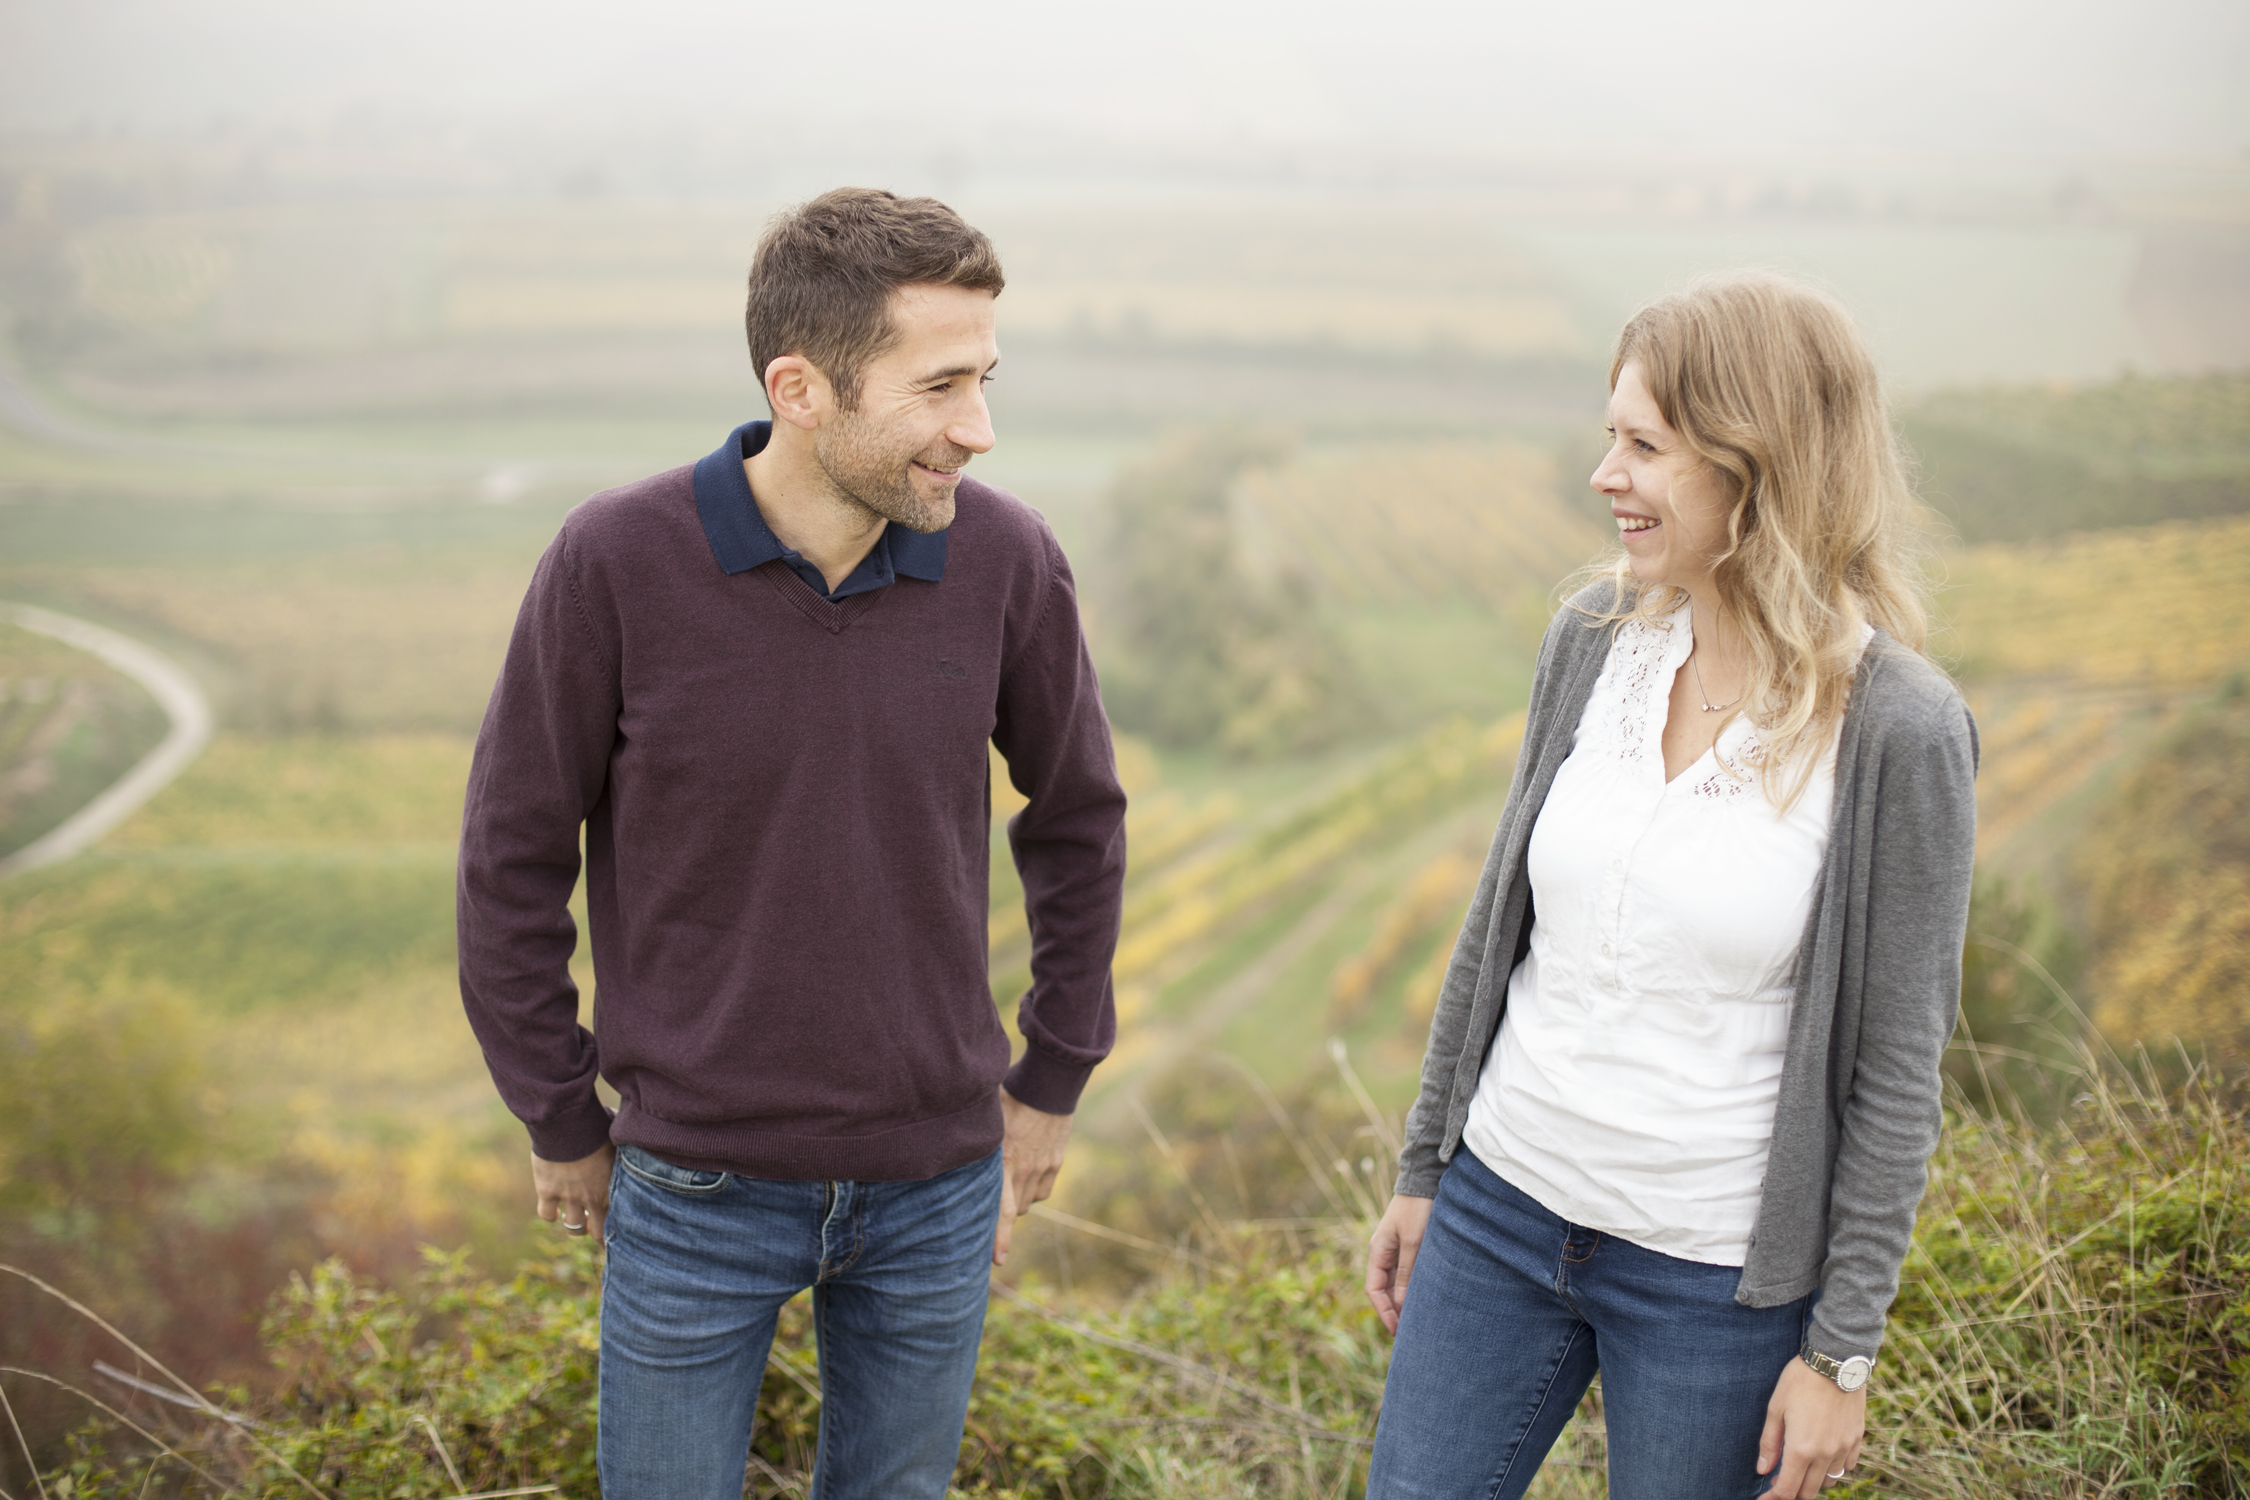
764 686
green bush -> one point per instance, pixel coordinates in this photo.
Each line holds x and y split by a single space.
1195 652
2074 1318
2074 1321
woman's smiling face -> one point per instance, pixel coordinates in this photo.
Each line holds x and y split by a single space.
1669 517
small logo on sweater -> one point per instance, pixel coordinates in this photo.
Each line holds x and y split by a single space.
947 669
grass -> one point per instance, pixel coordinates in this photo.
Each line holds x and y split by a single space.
2074 1318
2074 1321
273 873
237 934
69 726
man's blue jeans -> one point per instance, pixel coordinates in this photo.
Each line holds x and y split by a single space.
699 1266
1509 1312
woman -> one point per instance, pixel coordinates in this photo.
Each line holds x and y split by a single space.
1690 1034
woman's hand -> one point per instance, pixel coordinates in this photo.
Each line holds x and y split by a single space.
1390 1255
1813 1432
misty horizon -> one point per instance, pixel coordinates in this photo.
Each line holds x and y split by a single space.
1919 85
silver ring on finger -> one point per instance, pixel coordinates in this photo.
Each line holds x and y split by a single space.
1840 1473
580 1228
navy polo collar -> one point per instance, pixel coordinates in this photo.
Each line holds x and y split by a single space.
741 540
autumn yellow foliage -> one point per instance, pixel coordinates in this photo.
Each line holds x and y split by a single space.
2167 873
1435 897
2034 751
2157 607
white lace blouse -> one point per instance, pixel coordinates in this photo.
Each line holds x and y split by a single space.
1631 1088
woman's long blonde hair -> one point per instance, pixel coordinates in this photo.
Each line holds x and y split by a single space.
1766 380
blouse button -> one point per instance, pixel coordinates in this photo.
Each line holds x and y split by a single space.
1605 950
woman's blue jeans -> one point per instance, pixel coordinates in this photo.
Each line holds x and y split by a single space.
699 1265
1511 1310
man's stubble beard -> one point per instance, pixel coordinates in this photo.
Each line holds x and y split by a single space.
865 470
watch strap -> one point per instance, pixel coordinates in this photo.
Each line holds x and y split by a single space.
1848 1374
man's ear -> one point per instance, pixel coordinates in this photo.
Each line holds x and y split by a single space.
798 393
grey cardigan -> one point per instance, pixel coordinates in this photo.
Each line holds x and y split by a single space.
1878 979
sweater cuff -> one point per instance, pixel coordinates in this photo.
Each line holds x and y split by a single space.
1837 1344
1419 1168
1047 1083
572 1136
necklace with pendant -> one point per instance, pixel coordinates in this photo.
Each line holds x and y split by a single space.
1705 693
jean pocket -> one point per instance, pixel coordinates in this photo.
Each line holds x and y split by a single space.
657 1172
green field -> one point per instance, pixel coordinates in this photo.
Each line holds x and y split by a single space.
230 1031
69 726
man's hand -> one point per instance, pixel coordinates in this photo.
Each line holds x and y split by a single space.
1031 1153
576 1193
1813 1432
1390 1255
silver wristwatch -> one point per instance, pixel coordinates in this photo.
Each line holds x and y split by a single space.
1849 1374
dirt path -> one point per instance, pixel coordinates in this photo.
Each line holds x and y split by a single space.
183 702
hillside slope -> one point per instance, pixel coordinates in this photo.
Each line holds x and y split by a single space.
2029 463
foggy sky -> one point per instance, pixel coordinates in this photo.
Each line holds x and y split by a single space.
2047 80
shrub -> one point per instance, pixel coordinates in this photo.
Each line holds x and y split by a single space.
2074 1322
1198 653
2074 1318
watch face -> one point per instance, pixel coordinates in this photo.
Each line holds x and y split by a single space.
1853 1372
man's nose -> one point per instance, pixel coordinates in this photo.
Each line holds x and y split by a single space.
973 428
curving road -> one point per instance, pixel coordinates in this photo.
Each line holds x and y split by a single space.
183 702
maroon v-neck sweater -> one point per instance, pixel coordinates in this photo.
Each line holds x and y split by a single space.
786 811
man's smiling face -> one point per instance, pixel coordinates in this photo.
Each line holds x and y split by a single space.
921 413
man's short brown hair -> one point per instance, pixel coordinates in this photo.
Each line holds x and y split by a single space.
822 280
